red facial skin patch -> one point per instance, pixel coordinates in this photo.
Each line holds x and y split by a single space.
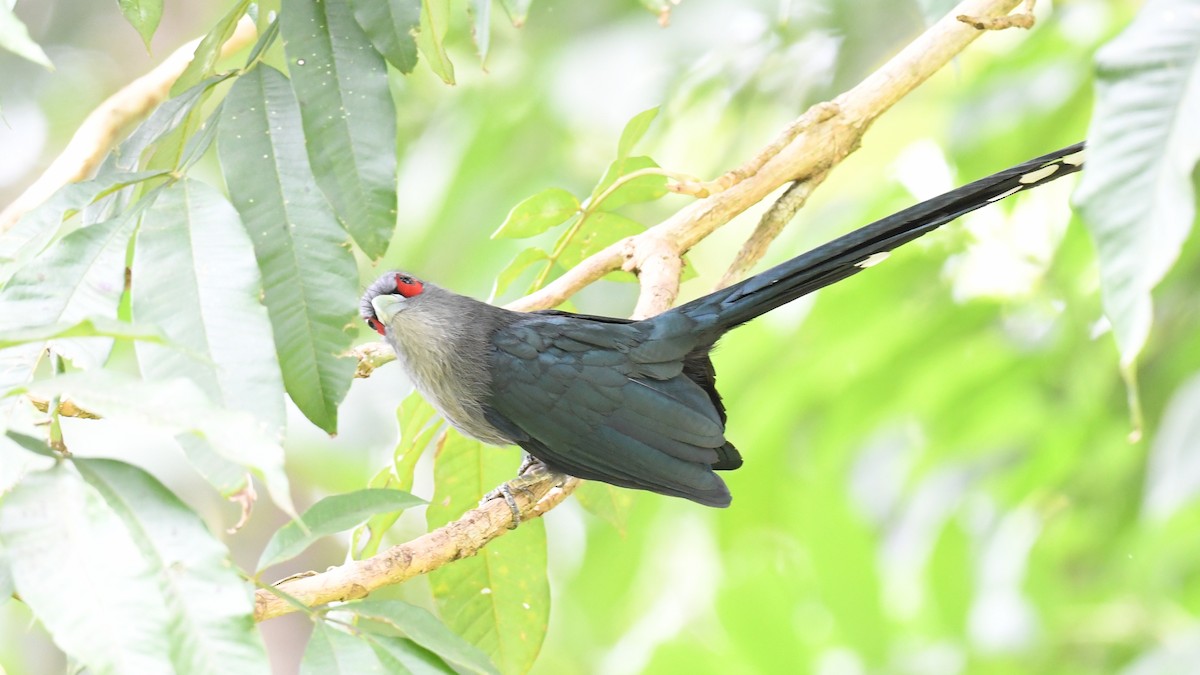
376 325
408 286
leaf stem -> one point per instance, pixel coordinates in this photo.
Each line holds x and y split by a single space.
590 206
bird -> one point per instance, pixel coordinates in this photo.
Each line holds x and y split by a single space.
632 403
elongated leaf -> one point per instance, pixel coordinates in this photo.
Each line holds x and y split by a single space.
499 600
1136 194
308 274
599 230
635 128
481 28
517 10
426 630
88 272
607 502
7 587
514 269
329 516
331 651
194 276
178 406
97 327
14 37
210 626
536 214
209 50
34 445
78 568
390 25
435 19
348 114
38 228
143 15
415 417
124 576
640 189
1173 471
171 119
399 655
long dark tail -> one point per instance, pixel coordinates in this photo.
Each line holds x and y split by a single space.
854 252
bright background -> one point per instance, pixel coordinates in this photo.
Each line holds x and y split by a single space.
940 475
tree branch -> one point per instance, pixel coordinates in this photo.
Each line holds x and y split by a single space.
806 150
460 539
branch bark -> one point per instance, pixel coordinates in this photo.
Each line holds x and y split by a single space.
459 539
807 149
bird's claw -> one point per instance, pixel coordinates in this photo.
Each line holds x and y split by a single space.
532 471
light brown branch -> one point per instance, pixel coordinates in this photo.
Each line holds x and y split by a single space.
459 539
818 113
1022 19
807 150
108 122
811 145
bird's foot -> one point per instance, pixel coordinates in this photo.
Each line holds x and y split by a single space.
532 471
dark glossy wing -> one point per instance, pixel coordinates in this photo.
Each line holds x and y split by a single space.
595 400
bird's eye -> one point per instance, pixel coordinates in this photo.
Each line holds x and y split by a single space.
408 286
376 325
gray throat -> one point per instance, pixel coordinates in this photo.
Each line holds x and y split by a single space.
443 342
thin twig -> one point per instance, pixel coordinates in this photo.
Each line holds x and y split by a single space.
769 227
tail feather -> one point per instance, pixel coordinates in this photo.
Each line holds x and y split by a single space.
857 250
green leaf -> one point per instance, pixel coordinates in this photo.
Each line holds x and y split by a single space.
95 327
399 655
1173 468
426 630
210 625
178 406
536 214
349 118
37 229
499 600
143 15
7 587
518 10
415 417
634 130
332 651
435 19
1136 195
607 502
481 29
514 269
391 26
204 59
194 276
123 575
640 189
35 445
600 230
309 275
88 269
14 37
331 515
166 131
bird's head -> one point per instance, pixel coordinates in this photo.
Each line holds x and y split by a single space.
387 297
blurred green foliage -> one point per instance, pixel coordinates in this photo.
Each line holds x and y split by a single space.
942 474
